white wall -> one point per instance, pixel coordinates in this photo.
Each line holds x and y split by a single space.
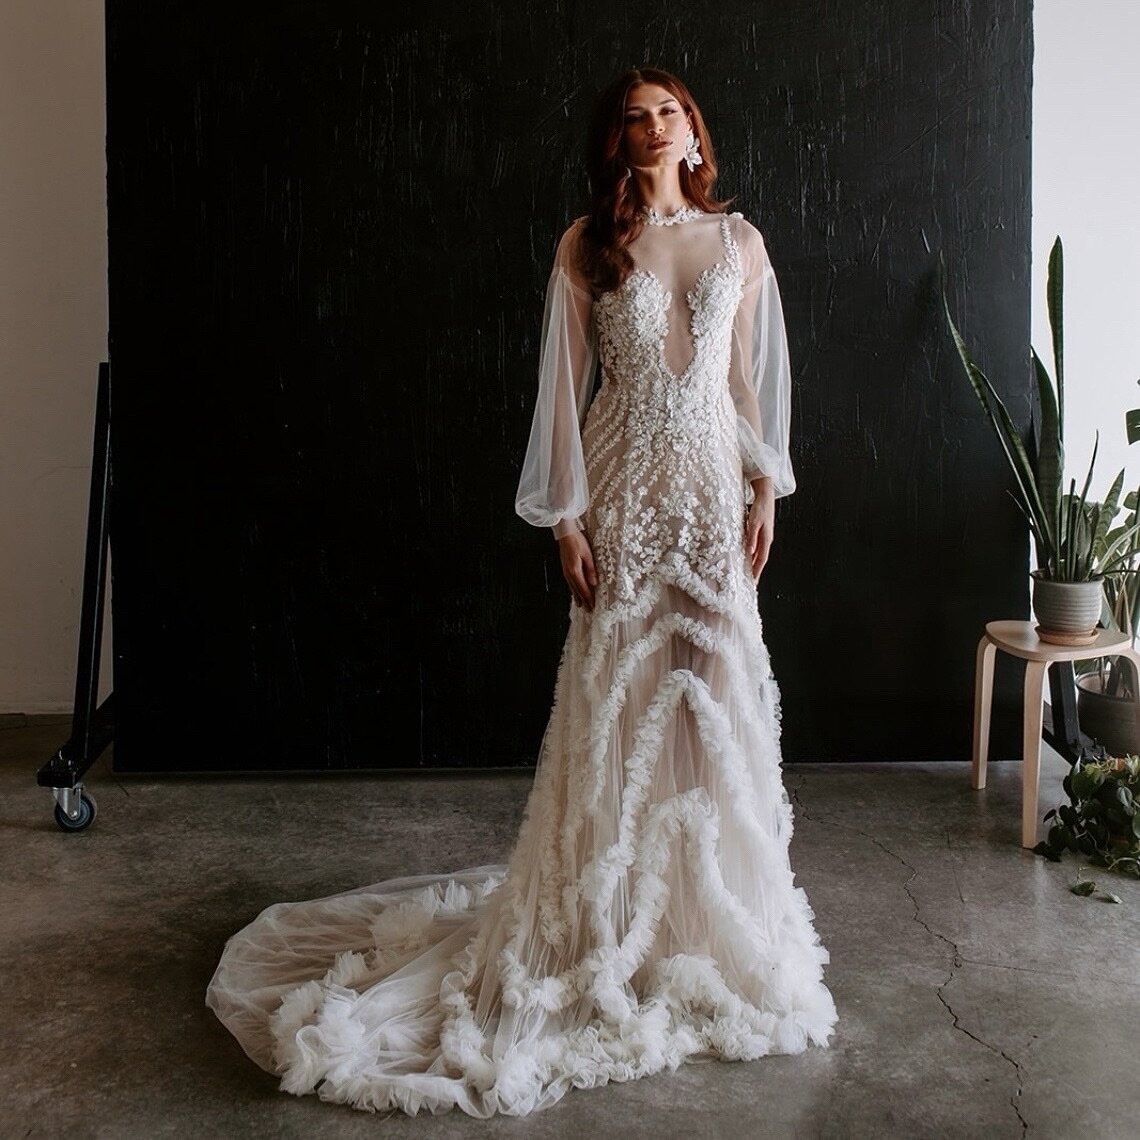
1086 183
53 333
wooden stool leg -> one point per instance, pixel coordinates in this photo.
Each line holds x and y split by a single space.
983 702
1031 748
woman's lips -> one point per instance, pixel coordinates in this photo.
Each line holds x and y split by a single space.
659 145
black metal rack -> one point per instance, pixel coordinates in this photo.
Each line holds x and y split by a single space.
92 729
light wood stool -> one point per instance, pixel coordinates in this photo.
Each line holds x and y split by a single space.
1020 639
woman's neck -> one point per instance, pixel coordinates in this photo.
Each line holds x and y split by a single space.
659 188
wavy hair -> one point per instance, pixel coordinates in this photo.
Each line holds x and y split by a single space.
614 218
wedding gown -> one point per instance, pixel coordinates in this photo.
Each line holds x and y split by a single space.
647 914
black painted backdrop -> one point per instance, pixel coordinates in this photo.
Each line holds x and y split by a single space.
329 238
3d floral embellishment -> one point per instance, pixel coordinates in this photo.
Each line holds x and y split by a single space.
691 157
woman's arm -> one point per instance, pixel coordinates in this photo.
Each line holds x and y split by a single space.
760 372
553 490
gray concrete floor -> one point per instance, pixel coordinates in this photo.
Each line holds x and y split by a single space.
977 996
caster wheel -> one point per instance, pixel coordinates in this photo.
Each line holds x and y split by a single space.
82 820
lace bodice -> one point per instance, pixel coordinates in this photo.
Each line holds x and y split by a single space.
661 424
642 329
693 402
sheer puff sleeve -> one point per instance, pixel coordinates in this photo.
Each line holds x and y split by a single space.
760 378
553 490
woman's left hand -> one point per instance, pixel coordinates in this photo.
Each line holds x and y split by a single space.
759 526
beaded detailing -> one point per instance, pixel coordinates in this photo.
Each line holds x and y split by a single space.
654 217
680 501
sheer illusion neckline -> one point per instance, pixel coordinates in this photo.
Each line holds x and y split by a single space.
727 265
654 217
692 298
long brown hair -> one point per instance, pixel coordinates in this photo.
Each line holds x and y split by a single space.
614 219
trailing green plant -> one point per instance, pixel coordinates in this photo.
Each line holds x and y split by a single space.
1101 820
1070 534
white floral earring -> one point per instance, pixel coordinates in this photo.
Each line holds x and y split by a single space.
691 158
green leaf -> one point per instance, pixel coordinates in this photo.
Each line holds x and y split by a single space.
1084 785
1134 611
1110 553
1111 509
1004 428
1043 848
1038 538
1050 466
1092 463
1089 526
1067 541
1084 887
1132 424
1054 292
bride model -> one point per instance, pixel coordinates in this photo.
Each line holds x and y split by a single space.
647 914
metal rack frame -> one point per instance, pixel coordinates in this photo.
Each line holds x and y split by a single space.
92 729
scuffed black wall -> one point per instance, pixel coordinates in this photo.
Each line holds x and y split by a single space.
329 239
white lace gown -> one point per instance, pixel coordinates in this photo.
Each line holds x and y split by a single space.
647 914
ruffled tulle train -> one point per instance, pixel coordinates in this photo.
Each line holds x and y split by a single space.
647 915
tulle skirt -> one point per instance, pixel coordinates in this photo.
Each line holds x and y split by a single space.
647 914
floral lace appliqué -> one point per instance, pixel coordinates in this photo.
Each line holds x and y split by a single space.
680 499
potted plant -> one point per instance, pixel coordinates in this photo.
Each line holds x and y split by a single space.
1107 687
1101 821
1070 534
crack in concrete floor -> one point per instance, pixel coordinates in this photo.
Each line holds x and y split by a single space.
958 960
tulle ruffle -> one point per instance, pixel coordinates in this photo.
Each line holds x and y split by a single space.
647 915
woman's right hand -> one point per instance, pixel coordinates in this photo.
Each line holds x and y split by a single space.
578 567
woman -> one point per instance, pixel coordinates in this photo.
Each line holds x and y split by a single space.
647 913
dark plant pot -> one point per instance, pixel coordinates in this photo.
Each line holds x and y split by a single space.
1108 719
1069 611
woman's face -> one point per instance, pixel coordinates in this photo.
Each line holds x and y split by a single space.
656 127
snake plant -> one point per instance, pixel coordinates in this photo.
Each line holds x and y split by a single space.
1071 535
